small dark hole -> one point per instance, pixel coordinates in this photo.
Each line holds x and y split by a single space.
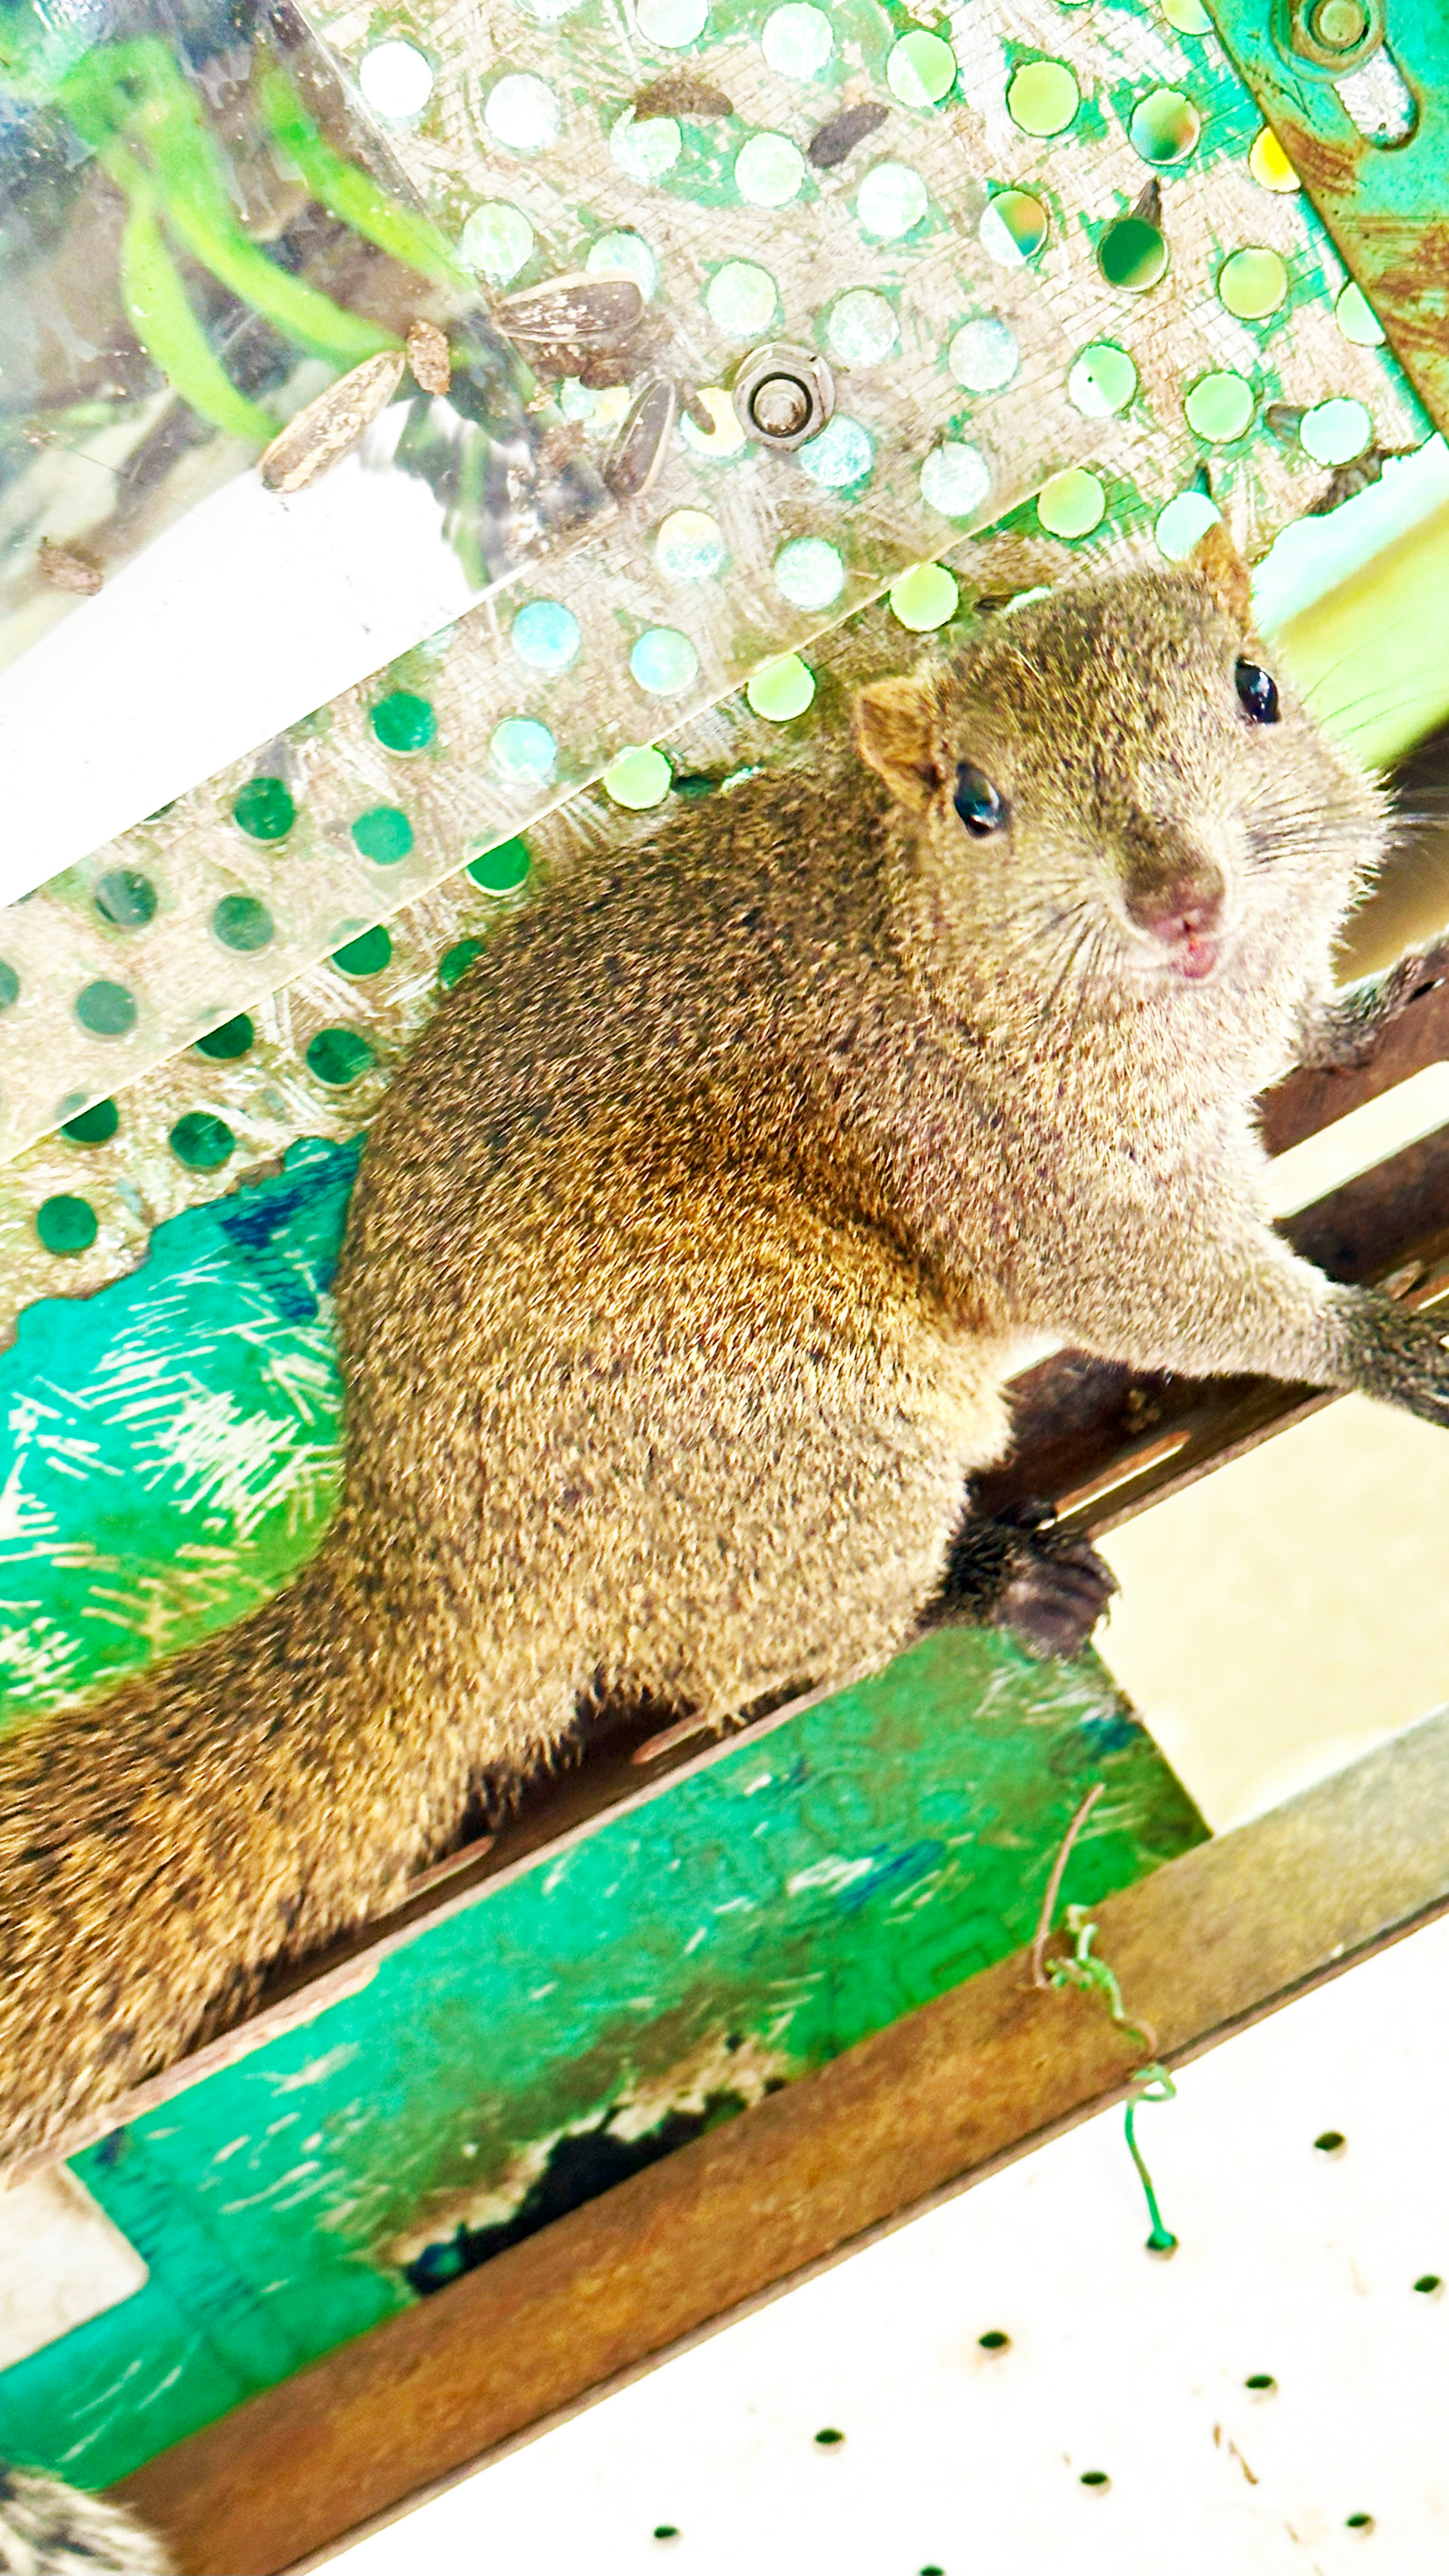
828 2437
1427 2283
1095 2478
994 2341
1358 2522
1331 2143
1261 2381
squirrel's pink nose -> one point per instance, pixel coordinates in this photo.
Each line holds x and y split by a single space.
1188 913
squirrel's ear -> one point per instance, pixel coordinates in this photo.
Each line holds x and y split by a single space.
896 733
1224 575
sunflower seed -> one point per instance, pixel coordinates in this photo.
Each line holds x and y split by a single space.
64 569
324 429
575 311
681 94
638 451
840 134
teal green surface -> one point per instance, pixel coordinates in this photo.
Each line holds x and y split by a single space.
172 1454
768 1910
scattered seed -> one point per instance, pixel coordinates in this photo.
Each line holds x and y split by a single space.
323 430
577 311
681 94
829 145
1148 208
638 452
430 358
64 569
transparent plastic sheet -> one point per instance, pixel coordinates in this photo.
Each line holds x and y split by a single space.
738 555
202 229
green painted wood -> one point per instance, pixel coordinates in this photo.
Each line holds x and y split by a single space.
172 1453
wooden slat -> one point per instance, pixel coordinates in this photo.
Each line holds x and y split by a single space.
1211 1941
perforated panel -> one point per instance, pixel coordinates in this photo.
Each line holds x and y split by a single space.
1272 2400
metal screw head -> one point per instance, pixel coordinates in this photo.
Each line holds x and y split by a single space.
783 395
1340 24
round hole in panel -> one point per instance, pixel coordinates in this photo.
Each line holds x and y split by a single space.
403 722
125 898
1189 17
861 327
1335 432
93 1126
664 662
1132 254
638 779
955 479
108 1010
242 922
740 299
797 41
728 434
1042 98
396 79
338 1056
1220 406
809 572
983 355
65 1224
1165 127
890 201
202 1142
646 152
1102 380
920 69
782 690
1357 319
842 454
1180 523
1252 284
454 963
769 170
689 546
501 869
366 955
523 112
924 598
546 636
624 254
1071 504
496 241
672 22
1013 227
383 834
523 751
1269 164
232 1039
9 985
264 809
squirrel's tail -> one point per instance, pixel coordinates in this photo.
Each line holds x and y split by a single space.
47 2529
162 1847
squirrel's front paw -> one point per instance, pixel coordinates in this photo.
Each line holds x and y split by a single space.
1054 1594
1403 1358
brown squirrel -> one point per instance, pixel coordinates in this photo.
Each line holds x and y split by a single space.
689 1258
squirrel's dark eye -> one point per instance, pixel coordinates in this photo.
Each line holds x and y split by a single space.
982 808
1257 693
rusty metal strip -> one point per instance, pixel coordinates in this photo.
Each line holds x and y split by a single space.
1338 80
1210 1942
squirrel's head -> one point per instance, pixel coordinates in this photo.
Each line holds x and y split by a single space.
1118 781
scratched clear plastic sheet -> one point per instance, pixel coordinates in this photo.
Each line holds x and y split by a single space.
962 272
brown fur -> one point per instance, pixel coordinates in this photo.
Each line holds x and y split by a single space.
689 1257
